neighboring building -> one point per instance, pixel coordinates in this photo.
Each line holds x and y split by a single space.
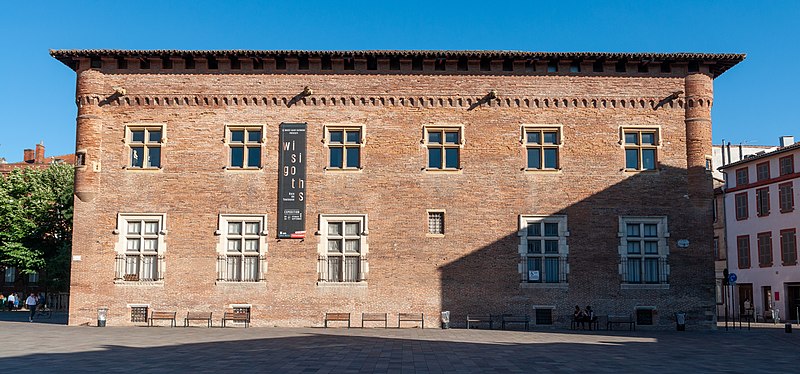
722 155
726 154
35 158
294 183
761 230
12 279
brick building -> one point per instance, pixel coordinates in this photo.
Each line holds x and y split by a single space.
35 158
295 183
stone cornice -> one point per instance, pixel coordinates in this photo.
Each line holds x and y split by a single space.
424 101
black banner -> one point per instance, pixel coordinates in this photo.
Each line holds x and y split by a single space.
292 182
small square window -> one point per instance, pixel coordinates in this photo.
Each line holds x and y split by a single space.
436 223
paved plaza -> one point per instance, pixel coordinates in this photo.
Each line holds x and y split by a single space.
47 347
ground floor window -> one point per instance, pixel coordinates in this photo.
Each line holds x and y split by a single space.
343 248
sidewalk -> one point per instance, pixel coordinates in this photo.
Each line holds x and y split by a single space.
55 348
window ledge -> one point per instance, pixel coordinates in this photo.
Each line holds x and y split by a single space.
543 171
144 170
633 286
243 283
787 211
532 285
429 235
121 282
243 170
443 171
637 171
344 170
327 284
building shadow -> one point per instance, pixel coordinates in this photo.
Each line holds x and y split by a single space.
491 279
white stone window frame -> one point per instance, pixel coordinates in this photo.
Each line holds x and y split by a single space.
563 248
659 133
322 249
120 247
229 145
445 127
222 247
663 250
525 128
326 141
428 232
128 141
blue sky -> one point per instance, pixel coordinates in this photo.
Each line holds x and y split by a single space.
754 102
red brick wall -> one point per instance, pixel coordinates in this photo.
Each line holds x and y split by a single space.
473 269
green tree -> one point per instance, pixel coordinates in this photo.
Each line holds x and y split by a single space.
36 222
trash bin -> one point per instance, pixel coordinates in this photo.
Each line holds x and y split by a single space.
680 320
102 313
788 328
446 319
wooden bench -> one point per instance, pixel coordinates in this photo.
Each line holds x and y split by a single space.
375 317
510 318
620 319
594 322
197 316
480 319
236 317
411 317
163 315
337 317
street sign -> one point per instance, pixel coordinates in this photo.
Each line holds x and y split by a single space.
732 277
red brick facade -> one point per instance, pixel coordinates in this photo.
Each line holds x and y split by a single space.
475 267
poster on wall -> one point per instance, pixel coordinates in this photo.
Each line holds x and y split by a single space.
292 181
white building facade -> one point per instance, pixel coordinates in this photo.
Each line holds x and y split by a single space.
762 222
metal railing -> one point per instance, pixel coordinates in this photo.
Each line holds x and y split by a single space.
646 270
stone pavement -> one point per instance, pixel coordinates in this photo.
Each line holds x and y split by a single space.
40 347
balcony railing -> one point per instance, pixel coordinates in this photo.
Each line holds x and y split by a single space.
645 270
544 269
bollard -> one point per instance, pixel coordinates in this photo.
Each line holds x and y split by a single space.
788 328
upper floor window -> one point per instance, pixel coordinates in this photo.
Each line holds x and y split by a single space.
444 147
244 144
786 165
762 171
765 249
743 251
786 197
10 275
542 146
762 201
740 202
742 177
242 247
543 248
644 250
640 148
145 145
343 248
140 248
344 147
789 247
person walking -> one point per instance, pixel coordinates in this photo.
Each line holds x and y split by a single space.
31 303
10 301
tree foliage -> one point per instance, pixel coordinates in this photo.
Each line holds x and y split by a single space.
36 221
